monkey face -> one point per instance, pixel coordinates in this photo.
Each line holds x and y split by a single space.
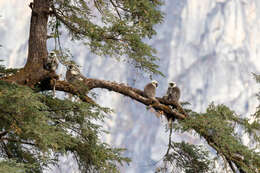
70 67
172 84
52 54
155 83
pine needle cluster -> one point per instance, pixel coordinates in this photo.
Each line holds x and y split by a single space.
36 129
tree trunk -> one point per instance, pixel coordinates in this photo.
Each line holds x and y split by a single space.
33 72
37 52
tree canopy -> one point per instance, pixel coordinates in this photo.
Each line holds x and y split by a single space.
37 128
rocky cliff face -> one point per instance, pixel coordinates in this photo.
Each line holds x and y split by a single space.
209 48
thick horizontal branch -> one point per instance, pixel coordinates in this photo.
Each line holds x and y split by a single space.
136 94
69 88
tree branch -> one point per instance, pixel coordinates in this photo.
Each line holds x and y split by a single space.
69 88
15 140
123 89
228 157
77 30
114 5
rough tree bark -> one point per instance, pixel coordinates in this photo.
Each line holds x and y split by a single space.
38 34
33 71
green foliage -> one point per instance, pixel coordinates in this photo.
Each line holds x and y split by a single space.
257 114
11 167
257 77
188 158
112 28
217 126
36 129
